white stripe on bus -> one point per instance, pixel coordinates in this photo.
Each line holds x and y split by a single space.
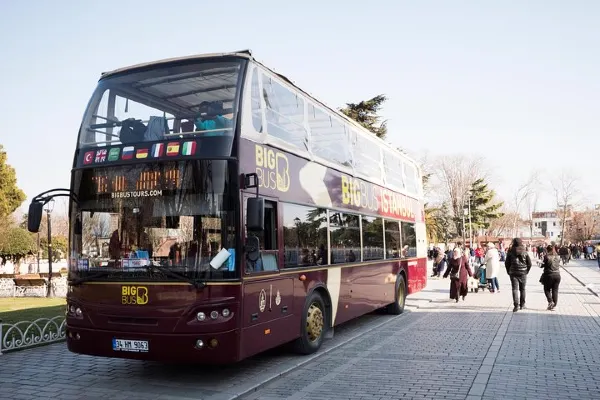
334 280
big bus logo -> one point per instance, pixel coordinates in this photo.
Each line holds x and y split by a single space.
134 295
273 169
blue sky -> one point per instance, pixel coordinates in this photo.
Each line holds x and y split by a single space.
516 82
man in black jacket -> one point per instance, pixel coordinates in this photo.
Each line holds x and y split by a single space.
518 264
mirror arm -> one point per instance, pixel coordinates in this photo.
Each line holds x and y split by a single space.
46 196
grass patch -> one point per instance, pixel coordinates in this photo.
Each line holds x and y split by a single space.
15 309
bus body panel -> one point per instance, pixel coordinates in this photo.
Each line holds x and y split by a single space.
268 314
176 348
168 320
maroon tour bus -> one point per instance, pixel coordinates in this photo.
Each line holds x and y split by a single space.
217 211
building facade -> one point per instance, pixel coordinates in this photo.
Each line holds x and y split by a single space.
548 224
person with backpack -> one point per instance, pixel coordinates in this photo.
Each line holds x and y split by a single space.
518 264
551 277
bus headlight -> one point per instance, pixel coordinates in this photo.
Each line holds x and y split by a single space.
225 312
201 316
214 314
199 344
78 312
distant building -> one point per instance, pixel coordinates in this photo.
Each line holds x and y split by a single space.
548 223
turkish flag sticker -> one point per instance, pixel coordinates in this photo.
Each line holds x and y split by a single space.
88 158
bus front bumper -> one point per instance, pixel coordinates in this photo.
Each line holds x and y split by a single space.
215 348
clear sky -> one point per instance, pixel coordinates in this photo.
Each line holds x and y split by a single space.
517 82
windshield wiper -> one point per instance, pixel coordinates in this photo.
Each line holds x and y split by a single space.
198 284
79 281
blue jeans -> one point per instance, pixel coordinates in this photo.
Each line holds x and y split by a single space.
598 258
494 283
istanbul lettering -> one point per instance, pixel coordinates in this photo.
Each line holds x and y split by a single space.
374 198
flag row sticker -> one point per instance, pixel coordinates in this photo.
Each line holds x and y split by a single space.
158 150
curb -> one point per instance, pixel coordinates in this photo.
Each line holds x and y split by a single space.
306 360
588 287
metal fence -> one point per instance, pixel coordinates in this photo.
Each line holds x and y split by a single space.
26 334
8 288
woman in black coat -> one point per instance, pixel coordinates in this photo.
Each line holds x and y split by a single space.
551 276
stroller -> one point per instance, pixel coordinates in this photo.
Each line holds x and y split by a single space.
479 281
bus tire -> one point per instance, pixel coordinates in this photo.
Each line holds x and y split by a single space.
314 325
397 307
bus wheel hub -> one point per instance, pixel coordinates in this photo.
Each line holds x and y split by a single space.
314 322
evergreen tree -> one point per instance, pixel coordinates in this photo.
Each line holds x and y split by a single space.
483 208
11 197
365 113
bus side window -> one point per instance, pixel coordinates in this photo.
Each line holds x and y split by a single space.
270 234
268 240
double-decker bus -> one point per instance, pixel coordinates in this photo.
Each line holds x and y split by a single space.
217 211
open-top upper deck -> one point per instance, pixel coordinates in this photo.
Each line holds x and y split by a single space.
204 100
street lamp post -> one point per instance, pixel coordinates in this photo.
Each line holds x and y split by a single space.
38 253
49 208
470 224
463 224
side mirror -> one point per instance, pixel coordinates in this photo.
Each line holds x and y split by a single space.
255 214
252 248
34 218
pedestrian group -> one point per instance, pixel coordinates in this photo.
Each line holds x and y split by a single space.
457 263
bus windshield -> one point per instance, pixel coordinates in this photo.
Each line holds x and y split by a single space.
195 100
153 221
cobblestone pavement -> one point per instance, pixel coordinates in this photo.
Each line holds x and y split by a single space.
476 349
586 272
51 372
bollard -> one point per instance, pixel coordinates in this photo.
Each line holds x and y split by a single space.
1 337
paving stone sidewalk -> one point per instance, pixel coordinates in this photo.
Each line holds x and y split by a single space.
587 272
476 349
51 372
438 349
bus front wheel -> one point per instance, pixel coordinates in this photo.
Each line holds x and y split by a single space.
397 307
314 325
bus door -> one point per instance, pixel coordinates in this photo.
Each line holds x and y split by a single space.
268 296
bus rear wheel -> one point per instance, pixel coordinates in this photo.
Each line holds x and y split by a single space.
314 325
397 307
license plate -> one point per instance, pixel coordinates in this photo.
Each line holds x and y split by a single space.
138 346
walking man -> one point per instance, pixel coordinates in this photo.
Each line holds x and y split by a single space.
518 264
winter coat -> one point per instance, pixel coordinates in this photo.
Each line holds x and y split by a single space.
492 263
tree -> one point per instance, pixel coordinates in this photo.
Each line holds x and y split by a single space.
565 192
11 197
59 247
582 226
503 225
15 244
523 197
365 113
484 209
437 223
531 207
456 175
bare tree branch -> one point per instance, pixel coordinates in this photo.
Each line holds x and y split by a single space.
456 174
523 197
565 193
